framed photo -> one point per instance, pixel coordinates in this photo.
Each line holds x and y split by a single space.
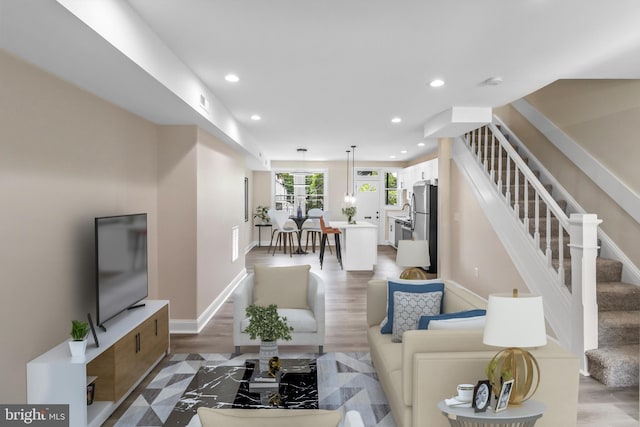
503 399
481 396
246 199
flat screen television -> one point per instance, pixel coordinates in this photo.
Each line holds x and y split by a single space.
121 264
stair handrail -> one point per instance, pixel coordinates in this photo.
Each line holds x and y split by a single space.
581 228
483 147
533 180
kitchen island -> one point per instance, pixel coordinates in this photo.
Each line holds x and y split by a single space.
359 243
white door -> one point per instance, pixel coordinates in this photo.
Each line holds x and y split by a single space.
368 202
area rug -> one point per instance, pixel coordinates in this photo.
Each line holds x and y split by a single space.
346 381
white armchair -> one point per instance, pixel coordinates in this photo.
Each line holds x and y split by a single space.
299 295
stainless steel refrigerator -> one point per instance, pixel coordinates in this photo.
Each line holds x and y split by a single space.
424 218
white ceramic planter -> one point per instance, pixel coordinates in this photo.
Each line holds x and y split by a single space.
78 348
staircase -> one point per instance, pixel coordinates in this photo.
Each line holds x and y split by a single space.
615 362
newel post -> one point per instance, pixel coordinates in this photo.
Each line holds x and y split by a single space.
583 244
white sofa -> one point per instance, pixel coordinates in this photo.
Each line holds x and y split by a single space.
428 364
299 295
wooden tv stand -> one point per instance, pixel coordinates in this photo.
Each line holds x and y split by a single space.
133 344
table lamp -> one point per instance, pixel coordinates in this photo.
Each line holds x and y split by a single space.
514 321
413 254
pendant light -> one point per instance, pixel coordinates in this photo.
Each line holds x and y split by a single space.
347 197
353 171
301 172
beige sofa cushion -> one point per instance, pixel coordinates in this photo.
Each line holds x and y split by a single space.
285 287
268 417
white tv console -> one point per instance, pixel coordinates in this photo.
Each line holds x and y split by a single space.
134 343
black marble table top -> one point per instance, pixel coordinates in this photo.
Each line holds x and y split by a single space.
228 387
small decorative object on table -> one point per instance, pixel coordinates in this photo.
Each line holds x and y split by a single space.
274 366
265 323
482 396
350 213
503 399
78 343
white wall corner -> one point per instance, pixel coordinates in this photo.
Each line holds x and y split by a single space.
456 121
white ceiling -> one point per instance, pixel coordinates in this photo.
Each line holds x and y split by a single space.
323 75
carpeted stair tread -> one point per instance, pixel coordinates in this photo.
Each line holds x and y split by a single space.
618 296
615 366
618 328
607 270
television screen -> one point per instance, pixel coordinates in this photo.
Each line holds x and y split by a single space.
121 263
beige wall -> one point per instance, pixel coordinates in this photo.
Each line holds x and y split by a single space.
603 116
177 206
65 158
608 129
472 242
220 193
260 189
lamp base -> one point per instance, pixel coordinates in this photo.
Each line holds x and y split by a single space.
413 273
519 365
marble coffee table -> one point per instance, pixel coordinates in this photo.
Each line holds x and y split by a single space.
228 387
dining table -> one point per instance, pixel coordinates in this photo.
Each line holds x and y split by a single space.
300 220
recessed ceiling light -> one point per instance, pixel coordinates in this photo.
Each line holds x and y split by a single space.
396 120
420 144
256 117
392 157
436 83
403 152
493 81
232 78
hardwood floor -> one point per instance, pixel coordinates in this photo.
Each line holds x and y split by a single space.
346 331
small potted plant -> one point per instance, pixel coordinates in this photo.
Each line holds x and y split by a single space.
349 212
265 323
78 343
262 213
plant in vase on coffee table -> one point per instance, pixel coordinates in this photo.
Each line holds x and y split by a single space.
265 323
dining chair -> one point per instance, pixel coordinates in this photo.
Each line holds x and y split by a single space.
312 227
326 231
284 231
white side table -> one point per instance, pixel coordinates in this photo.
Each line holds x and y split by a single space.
524 415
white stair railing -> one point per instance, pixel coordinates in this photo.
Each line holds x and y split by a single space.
547 227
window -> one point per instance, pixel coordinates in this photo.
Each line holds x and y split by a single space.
390 188
294 189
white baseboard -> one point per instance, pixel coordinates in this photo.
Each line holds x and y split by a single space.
194 326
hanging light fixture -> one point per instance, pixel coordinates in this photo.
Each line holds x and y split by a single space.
347 197
301 172
353 171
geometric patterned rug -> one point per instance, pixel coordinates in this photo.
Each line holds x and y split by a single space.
346 381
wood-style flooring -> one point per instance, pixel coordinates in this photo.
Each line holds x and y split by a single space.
599 406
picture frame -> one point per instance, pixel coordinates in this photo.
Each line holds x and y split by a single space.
481 396
505 392
246 199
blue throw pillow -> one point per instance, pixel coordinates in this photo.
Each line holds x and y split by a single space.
423 323
387 325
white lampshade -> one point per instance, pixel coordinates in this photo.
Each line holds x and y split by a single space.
515 321
413 253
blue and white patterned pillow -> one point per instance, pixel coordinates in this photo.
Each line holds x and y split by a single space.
409 307
412 286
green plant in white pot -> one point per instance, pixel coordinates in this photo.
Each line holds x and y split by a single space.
78 343
265 323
